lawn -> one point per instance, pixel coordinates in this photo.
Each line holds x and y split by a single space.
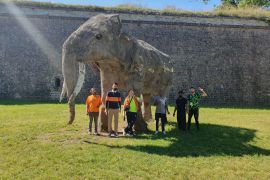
36 143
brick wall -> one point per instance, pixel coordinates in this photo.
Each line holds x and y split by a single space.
228 57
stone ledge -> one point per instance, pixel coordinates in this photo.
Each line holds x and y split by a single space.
191 20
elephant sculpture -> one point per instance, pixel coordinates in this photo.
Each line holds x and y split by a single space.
119 57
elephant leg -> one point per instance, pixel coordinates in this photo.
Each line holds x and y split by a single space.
146 108
140 124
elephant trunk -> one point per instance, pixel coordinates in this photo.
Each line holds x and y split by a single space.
73 82
77 89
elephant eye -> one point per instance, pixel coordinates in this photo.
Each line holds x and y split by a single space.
98 36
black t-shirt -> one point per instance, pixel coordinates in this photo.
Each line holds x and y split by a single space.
181 104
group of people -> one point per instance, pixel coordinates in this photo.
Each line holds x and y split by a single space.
183 106
112 110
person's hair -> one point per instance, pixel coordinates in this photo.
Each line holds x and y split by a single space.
180 92
115 83
130 90
91 90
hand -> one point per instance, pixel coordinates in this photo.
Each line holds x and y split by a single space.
106 112
200 89
87 113
119 110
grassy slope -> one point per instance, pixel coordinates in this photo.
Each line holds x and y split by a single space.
36 143
244 12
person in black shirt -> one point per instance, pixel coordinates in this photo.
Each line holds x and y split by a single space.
181 106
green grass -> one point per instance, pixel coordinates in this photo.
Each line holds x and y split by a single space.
222 11
36 143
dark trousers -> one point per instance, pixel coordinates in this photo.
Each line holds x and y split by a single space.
131 119
194 112
93 116
163 118
181 120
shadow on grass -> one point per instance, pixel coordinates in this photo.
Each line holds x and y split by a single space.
25 102
211 140
31 102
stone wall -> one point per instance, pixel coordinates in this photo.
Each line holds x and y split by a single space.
228 57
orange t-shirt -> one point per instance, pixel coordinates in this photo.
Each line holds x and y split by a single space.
93 102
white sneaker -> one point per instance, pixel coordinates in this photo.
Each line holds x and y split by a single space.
156 132
164 133
116 135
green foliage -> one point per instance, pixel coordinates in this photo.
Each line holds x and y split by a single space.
259 3
244 3
245 12
36 143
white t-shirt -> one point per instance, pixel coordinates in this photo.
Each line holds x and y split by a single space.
161 103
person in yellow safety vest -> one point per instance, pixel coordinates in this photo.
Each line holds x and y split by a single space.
131 107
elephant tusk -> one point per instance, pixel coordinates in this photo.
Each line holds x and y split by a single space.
63 93
79 83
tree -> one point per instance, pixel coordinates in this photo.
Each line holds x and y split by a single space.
260 3
241 3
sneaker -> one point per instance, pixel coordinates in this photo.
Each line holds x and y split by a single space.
124 132
95 133
164 133
156 132
116 135
110 135
89 132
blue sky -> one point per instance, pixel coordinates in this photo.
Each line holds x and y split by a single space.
192 5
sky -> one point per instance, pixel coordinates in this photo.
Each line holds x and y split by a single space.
190 5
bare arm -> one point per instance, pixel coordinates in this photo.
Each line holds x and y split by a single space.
87 106
202 92
167 109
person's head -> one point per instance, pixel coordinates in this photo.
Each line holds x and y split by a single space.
192 90
130 92
180 93
115 86
93 91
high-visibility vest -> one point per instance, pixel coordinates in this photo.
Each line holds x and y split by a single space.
127 102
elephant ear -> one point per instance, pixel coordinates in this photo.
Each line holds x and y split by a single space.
116 23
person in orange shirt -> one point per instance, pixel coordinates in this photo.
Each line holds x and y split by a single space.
93 103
